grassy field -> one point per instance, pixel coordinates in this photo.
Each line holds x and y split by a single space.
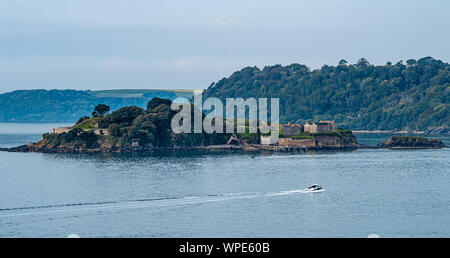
139 93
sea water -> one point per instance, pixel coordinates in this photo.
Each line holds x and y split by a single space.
390 193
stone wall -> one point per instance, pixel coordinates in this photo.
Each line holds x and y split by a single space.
60 130
67 129
335 141
297 142
318 141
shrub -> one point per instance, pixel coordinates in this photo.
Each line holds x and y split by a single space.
114 130
154 102
122 116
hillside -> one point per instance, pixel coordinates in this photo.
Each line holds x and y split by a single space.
411 96
69 105
127 129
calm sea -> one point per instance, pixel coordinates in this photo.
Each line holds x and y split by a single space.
388 193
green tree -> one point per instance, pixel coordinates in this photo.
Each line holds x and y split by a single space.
411 62
123 116
362 96
114 130
154 102
100 110
363 62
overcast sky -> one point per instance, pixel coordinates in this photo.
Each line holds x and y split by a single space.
117 44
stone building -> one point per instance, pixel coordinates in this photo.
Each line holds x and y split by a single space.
325 126
310 128
289 130
320 127
60 130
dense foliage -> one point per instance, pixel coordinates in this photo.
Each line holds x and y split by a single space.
74 138
415 96
69 105
123 116
132 127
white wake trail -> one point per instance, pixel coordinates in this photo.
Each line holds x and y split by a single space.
139 204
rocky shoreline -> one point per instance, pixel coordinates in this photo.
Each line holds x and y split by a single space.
442 130
411 142
395 142
245 148
77 150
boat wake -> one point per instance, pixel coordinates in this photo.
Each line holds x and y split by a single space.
137 204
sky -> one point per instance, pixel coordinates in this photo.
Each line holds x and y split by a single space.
146 44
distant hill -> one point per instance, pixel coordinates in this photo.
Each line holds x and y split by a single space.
70 105
411 96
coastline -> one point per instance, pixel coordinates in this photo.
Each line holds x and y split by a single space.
245 148
255 148
388 131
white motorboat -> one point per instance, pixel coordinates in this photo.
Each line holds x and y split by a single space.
314 188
